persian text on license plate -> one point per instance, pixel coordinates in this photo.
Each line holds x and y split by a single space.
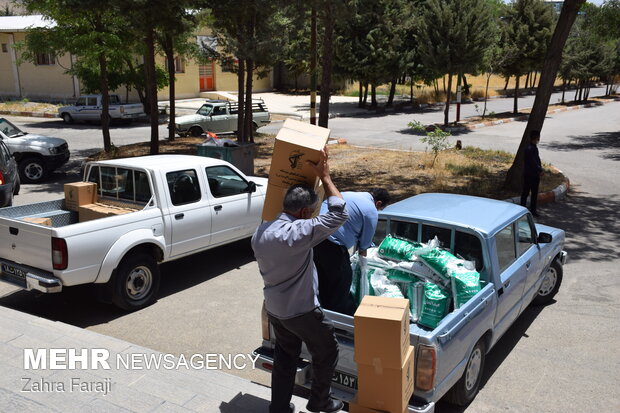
345 380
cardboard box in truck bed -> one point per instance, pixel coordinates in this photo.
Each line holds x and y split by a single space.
78 194
296 143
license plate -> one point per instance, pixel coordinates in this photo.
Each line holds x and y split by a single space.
345 380
16 272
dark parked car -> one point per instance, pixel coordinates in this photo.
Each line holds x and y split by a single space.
9 178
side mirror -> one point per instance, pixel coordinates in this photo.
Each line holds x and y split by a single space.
544 238
251 187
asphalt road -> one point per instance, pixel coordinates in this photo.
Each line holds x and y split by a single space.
554 359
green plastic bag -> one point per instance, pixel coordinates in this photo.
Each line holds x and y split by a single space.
415 292
401 276
398 249
465 284
382 286
434 306
355 281
438 260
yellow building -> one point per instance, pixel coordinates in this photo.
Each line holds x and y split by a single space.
46 79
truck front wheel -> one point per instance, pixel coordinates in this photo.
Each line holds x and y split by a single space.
136 282
67 118
468 385
550 285
195 131
32 170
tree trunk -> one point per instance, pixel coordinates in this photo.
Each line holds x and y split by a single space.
249 126
563 90
360 103
548 73
326 78
138 90
365 94
535 76
486 95
241 101
466 90
527 80
446 111
411 90
392 93
105 101
313 74
373 96
169 50
151 90
507 81
515 108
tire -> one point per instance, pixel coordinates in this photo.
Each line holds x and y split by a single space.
550 285
136 282
18 186
466 389
66 118
195 131
32 170
254 128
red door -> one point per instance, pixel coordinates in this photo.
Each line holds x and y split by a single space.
207 77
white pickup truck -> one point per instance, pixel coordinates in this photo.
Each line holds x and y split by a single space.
89 107
184 204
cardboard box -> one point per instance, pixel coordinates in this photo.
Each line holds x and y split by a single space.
100 210
296 143
39 220
355 407
382 331
385 388
78 194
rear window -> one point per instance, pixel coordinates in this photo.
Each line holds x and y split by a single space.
464 245
121 184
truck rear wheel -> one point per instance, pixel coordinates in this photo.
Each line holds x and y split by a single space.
136 282
465 390
67 118
550 285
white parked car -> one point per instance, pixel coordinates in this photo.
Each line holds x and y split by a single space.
183 205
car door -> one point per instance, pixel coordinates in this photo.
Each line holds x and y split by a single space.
512 278
189 215
530 253
92 111
80 109
219 120
236 211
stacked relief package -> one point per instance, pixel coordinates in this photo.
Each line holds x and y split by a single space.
385 362
428 276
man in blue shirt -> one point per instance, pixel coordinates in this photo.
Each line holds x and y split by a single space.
532 170
331 256
283 250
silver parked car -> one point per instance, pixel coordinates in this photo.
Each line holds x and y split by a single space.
9 179
36 155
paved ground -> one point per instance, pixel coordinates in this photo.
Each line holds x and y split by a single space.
553 359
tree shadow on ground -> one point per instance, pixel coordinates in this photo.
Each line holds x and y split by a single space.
57 123
79 306
608 142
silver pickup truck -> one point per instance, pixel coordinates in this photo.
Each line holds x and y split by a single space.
219 116
519 262
89 107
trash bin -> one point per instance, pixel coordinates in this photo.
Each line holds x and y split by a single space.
242 156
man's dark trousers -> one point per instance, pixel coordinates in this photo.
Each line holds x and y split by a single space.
317 332
333 266
530 184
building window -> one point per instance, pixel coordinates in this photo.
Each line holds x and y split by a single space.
4 48
45 59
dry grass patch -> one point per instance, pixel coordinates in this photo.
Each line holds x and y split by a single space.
27 106
469 171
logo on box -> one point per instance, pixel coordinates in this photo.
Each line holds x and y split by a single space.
295 159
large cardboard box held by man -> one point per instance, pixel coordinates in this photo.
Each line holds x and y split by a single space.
382 331
78 194
296 143
386 388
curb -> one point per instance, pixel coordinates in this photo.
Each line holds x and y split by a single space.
29 114
526 117
556 194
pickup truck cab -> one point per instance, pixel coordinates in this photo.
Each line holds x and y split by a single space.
182 205
219 116
519 262
36 155
89 107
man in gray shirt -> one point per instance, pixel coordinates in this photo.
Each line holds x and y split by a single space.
283 250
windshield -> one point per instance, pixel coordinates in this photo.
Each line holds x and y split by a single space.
205 110
9 129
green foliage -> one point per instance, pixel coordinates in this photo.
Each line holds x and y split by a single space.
475 169
437 139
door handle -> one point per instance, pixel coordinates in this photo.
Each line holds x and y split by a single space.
507 284
528 265
179 216
217 207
